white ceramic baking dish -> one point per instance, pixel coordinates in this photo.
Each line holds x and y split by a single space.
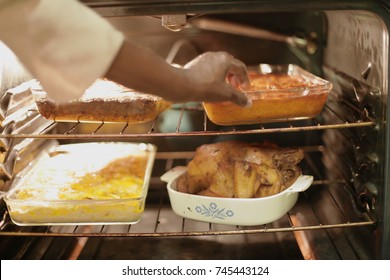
232 211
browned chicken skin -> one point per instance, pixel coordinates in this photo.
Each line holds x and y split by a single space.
242 170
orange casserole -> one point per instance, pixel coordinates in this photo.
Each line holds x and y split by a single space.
276 96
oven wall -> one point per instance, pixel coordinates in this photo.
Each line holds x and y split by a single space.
357 49
357 40
148 31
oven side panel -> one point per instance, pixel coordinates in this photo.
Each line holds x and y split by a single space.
358 48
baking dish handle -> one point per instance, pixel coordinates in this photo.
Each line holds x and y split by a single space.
174 173
301 184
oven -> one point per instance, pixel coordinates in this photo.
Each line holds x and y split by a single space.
346 212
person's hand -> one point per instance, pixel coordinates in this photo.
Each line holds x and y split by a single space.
217 77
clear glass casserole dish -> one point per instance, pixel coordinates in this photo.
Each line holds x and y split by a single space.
87 183
278 93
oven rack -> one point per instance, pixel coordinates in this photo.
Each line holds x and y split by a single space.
97 131
9 229
182 227
158 213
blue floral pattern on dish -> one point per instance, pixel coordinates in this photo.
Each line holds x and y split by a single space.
214 212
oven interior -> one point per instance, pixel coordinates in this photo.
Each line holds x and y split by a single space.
345 215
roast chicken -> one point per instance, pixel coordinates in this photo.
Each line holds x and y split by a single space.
241 170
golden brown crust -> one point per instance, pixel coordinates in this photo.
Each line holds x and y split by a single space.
275 81
104 101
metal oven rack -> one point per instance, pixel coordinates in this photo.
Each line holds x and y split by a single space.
151 131
181 229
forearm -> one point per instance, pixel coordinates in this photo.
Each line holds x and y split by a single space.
202 79
141 69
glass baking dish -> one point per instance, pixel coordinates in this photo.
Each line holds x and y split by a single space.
87 183
278 93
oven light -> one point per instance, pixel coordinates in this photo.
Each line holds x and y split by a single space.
174 22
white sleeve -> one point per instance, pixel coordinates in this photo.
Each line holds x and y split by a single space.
64 44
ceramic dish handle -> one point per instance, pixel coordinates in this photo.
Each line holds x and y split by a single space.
301 184
172 174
